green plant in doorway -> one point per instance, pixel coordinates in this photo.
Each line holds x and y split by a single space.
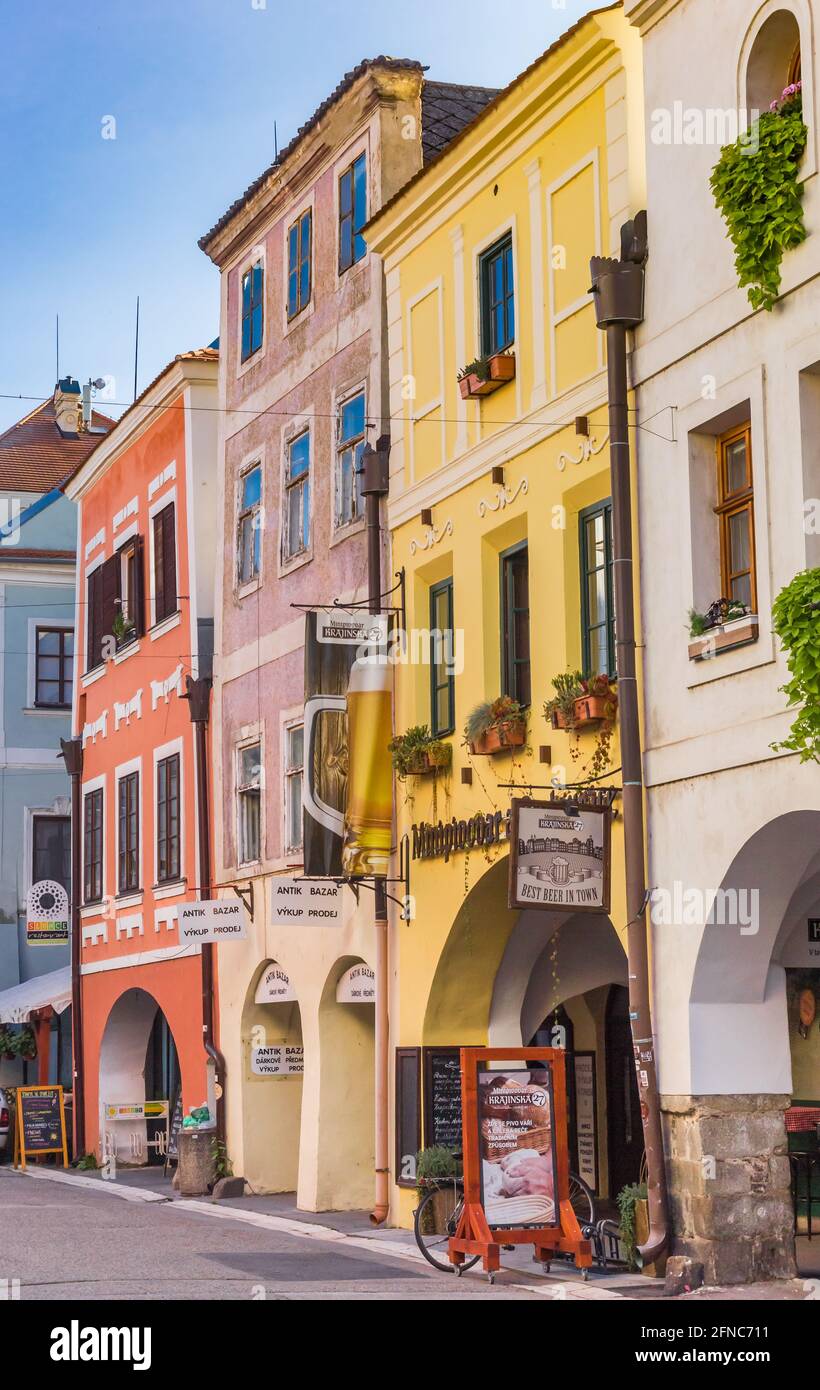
796 618
223 1167
627 1200
760 197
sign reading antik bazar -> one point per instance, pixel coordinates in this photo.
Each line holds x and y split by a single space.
559 860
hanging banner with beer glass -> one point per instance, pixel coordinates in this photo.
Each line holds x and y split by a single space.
348 787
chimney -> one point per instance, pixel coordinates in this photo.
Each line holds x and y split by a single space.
67 406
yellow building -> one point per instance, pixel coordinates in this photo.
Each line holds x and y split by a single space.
499 517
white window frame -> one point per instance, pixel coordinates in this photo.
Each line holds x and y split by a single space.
341 165
175 747
173 619
251 461
257 253
67 624
339 529
303 426
248 741
92 785
301 206
130 896
32 813
289 721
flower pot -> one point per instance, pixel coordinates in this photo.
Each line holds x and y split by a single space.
502 366
591 709
472 386
736 633
423 763
558 719
510 733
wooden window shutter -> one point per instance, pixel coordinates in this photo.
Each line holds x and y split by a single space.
110 595
138 596
169 560
93 619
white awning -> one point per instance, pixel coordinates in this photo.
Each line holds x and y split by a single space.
17 1003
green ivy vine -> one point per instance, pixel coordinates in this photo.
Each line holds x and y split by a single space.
796 614
757 191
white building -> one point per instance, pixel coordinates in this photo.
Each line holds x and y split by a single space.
728 457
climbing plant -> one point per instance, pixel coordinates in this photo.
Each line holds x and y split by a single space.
756 188
796 615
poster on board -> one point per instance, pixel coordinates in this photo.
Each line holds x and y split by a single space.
516 1147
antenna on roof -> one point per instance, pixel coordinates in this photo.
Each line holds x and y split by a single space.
136 346
275 142
57 378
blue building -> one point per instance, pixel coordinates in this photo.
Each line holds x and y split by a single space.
38 530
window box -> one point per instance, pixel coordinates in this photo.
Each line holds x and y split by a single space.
724 637
587 710
510 733
418 753
424 761
486 375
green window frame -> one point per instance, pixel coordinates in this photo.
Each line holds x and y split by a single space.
253 311
497 282
516 672
352 213
597 589
442 680
299 240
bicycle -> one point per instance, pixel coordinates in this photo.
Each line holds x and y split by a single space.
429 1219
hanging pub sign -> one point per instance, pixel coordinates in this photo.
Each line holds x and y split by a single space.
301 902
516 1157
559 856
211 920
47 914
347 794
40 1127
351 626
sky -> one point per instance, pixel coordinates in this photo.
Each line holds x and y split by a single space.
89 222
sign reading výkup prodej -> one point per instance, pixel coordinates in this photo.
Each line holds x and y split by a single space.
219 919
305 902
278 1061
559 859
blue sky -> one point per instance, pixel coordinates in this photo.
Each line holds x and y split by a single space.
194 87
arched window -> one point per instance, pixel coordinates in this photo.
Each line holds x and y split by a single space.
774 60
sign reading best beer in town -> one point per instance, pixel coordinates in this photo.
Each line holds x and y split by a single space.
559 856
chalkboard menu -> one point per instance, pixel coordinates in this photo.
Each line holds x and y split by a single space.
408 1113
442 1097
40 1122
174 1127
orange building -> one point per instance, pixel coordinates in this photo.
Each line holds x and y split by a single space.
145 562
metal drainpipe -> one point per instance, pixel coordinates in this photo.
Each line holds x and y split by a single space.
72 754
618 288
198 695
375 484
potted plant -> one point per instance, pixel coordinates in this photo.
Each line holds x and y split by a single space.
629 1200
122 627
495 726
416 753
560 710
6 1050
726 623
580 701
437 1167
23 1044
486 374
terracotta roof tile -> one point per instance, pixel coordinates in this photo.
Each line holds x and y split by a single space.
36 457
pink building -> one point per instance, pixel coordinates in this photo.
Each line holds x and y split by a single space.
303 387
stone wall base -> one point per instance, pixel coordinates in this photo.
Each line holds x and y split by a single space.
729 1185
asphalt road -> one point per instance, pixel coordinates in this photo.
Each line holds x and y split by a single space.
63 1242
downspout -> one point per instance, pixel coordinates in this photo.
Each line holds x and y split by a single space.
198 695
618 289
375 484
72 753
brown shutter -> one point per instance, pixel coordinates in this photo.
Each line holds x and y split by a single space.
169 557
110 595
138 597
159 591
92 621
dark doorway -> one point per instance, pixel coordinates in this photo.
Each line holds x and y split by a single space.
624 1129
162 1078
558 1030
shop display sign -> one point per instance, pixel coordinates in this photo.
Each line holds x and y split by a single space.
585 1117
220 919
138 1110
275 987
357 986
559 859
278 1061
40 1125
300 902
47 914
516 1124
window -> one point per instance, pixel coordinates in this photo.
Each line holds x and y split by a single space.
51 850
249 525
168 835
299 238
349 450
249 792
735 513
352 213
130 605
129 842
165 564
252 310
497 297
296 528
442 679
294 767
515 629
54 667
103 599
93 846
597 600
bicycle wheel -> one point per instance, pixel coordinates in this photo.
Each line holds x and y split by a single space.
434 1221
582 1199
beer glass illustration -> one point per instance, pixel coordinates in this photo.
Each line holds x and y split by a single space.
367 824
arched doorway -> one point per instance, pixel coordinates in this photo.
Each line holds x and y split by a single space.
623 1106
272 1071
346 1092
138 1063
